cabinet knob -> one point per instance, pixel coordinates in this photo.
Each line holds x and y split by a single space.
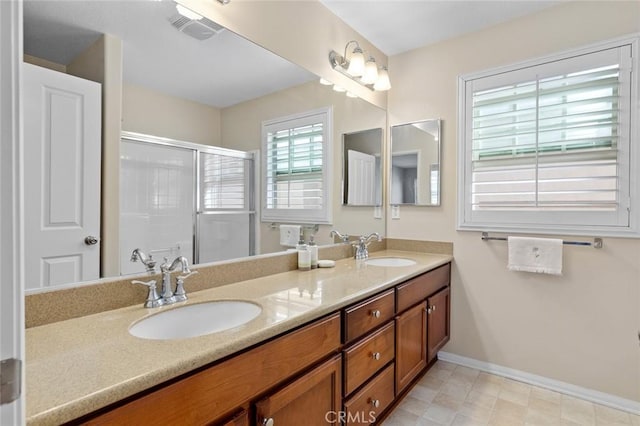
433 308
428 310
268 422
376 355
375 313
375 403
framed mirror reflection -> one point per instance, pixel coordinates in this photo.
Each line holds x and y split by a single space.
415 163
362 168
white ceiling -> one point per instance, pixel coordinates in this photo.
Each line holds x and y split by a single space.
227 69
221 71
395 26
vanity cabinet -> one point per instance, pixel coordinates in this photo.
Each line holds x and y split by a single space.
422 323
308 400
215 393
438 330
411 344
346 368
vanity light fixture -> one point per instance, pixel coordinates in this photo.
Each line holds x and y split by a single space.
366 73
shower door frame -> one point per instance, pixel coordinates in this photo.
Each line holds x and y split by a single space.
197 150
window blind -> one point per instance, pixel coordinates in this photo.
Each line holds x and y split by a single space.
294 167
224 181
547 143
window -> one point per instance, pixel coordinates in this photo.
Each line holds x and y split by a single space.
296 168
546 146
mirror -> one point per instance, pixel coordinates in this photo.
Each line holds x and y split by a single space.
225 108
415 164
362 168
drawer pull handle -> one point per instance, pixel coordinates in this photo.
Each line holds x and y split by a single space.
375 355
375 313
268 422
375 403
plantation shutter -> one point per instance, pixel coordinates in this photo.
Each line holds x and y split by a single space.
547 139
295 175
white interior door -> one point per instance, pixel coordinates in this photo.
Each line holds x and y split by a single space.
62 183
361 184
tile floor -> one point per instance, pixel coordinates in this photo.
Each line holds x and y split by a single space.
454 395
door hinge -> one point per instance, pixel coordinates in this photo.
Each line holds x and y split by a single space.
10 378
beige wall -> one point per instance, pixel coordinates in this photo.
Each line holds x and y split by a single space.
581 328
241 129
154 113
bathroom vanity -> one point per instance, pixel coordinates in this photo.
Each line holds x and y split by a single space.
334 345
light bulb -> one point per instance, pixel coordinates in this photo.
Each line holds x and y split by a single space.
351 95
325 82
383 82
356 63
338 88
370 75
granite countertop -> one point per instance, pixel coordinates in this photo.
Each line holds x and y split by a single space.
77 366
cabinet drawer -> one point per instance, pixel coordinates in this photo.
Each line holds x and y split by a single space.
365 406
368 315
363 359
419 288
209 394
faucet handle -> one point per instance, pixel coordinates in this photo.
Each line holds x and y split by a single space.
153 299
181 295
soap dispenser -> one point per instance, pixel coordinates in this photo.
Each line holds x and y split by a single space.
313 248
304 255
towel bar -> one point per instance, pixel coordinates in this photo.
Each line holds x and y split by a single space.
597 242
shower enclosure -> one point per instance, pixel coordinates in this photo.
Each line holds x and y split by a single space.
184 199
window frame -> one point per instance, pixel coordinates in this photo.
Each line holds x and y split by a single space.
629 197
303 216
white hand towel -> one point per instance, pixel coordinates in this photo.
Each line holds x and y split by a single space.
540 255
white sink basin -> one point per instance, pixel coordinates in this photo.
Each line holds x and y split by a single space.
195 320
390 261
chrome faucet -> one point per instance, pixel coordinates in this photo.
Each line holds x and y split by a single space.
167 296
343 237
166 268
147 260
362 245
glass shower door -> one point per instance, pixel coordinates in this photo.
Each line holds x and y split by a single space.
157 202
226 215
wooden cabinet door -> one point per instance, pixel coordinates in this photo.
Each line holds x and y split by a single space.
411 344
313 399
438 322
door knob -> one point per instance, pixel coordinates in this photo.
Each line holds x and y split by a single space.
90 240
268 422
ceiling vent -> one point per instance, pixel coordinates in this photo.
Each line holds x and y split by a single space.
200 29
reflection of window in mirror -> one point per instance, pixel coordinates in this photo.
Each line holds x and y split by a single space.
296 181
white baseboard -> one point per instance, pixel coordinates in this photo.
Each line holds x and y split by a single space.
591 395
